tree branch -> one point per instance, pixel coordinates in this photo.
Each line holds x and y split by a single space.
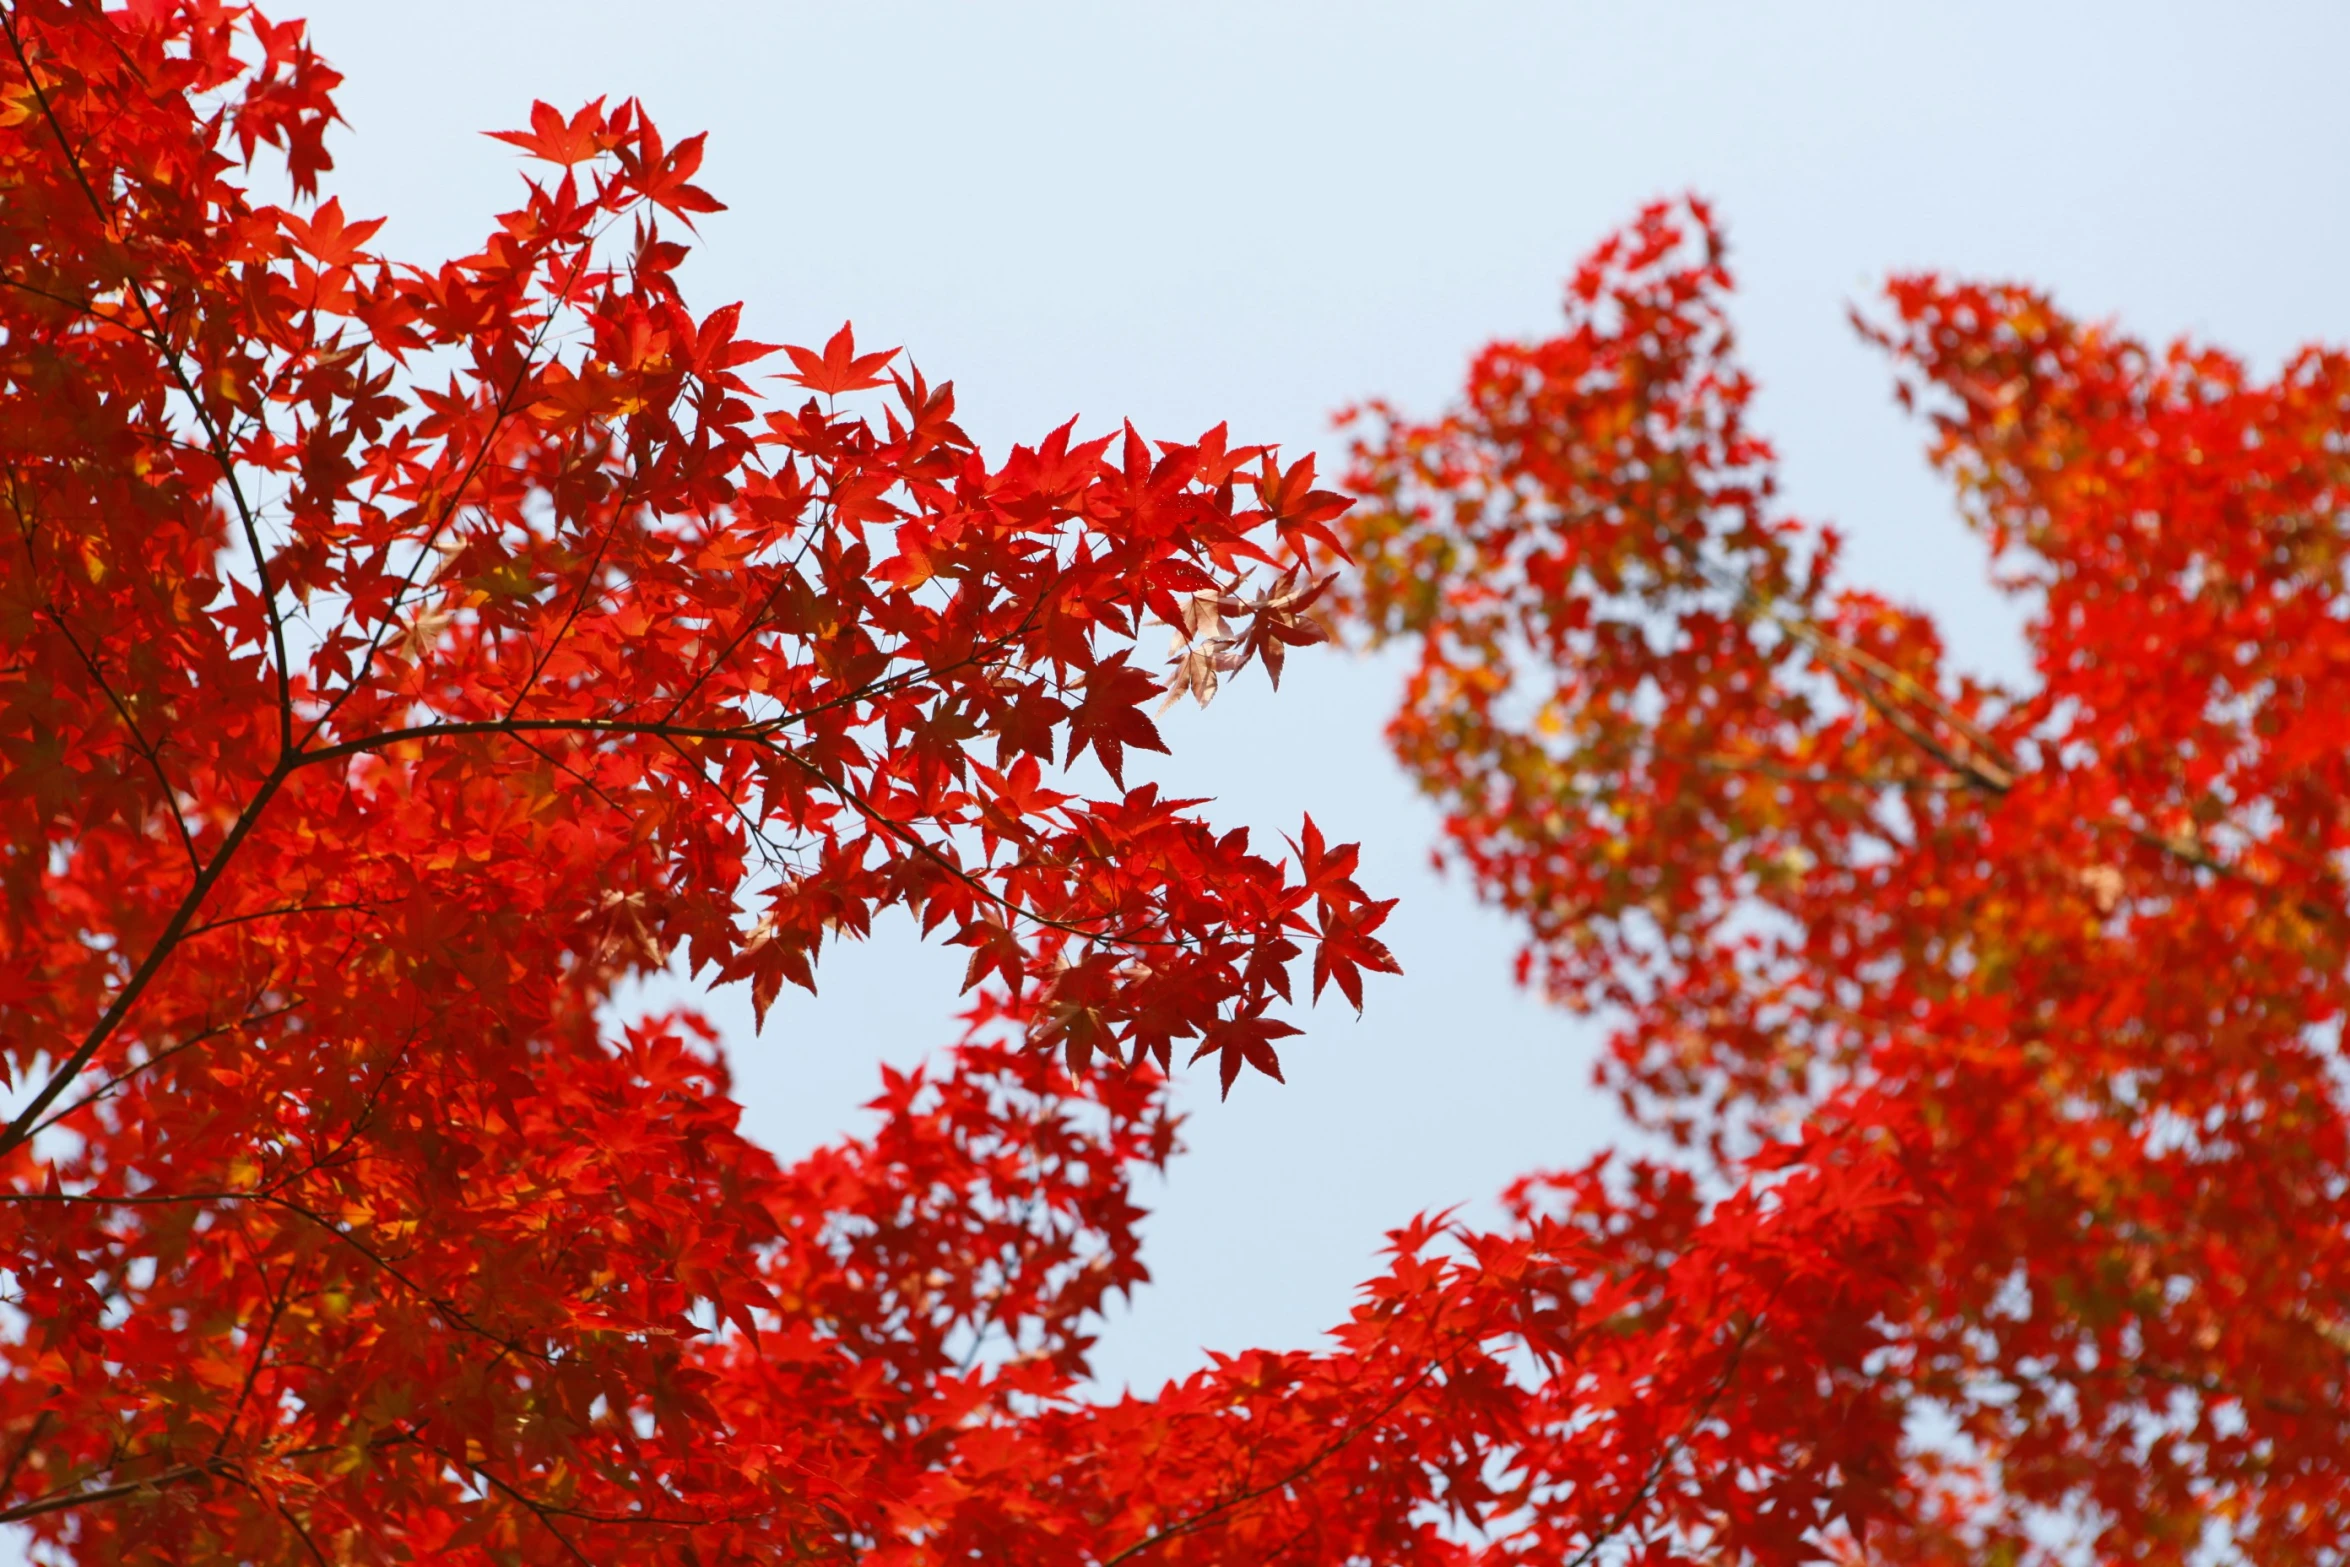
1210 1514
217 441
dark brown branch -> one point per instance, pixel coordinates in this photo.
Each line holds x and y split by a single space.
62 1501
536 1511
200 1037
295 1524
21 1128
182 1474
277 1307
139 741
1211 1513
503 411
221 453
283 909
1672 1449
579 601
275 1199
24 1450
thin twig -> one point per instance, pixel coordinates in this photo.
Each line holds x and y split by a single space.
1208 1515
1671 1449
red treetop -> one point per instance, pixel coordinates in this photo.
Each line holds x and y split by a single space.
397 659
2068 959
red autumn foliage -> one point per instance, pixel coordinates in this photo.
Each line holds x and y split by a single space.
400 659
2066 960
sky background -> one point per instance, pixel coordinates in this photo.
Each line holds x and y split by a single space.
1189 213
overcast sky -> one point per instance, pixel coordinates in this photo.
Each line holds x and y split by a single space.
1186 213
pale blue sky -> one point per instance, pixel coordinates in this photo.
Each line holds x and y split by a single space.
1186 213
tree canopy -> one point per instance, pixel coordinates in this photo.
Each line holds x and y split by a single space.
399 659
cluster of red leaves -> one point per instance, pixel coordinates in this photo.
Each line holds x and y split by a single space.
2072 957
396 660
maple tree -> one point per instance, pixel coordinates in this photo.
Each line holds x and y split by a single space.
399 659
2059 965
